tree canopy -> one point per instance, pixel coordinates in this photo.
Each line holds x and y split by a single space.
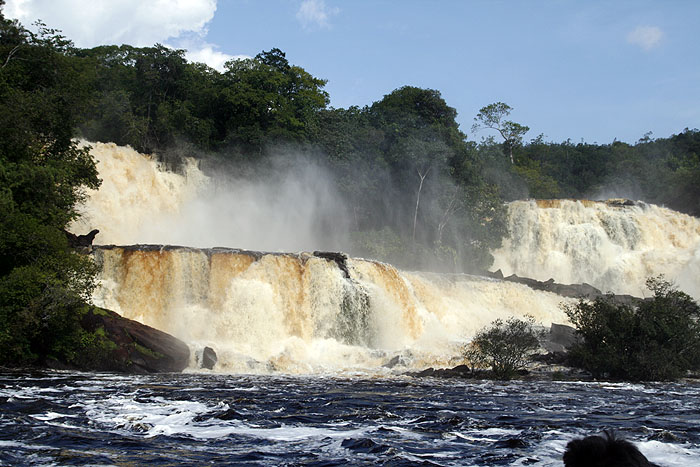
493 117
42 174
659 339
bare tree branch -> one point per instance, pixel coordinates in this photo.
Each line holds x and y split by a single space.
10 55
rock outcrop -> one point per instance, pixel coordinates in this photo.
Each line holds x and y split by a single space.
340 259
585 291
560 338
132 347
208 358
81 241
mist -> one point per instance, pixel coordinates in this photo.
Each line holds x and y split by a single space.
622 186
292 206
286 203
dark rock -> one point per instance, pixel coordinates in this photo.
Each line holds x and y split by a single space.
339 258
397 360
426 372
209 358
511 443
585 291
393 362
81 241
620 202
563 335
363 445
134 347
228 414
665 436
460 371
497 275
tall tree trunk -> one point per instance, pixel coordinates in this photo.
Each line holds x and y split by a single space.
447 215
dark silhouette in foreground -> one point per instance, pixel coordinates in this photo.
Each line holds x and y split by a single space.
608 451
81 241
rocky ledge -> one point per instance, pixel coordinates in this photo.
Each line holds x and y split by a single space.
124 345
584 291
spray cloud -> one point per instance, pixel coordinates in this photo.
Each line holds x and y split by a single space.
292 206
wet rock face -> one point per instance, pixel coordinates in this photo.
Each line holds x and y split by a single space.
585 291
209 358
339 258
621 202
135 348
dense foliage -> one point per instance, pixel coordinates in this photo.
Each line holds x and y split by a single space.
657 340
504 346
42 171
662 171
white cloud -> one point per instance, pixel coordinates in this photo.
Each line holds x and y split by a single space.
15 8
207 53
646 37
315 12
140 23
179 24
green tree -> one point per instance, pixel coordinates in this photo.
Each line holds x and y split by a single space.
505 346
421 136
493 117
266 100
659 339
42 174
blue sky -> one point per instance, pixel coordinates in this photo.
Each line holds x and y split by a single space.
591 70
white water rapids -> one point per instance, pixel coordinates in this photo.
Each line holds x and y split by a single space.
299 313
612 247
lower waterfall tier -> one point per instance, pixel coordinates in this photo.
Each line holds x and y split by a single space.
308 313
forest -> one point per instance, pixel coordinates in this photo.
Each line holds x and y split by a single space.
421 192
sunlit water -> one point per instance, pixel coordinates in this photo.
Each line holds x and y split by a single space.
103 419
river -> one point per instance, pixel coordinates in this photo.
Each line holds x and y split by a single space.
69 418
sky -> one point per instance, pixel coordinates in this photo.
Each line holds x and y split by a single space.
593 71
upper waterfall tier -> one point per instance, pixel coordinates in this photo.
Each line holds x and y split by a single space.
613 245
284 209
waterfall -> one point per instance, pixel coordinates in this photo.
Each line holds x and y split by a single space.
292 206
315 312
614 245
138 201
300 313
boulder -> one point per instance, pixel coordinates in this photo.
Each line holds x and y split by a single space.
498 274
209 358
398 360
560 338
131 347
460 371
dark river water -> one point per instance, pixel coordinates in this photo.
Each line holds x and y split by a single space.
56 418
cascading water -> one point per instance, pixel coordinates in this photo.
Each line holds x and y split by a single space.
299 313
302 313
614 246
138 200
291 207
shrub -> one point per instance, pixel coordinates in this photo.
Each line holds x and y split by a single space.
657 340
506 346
474 358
